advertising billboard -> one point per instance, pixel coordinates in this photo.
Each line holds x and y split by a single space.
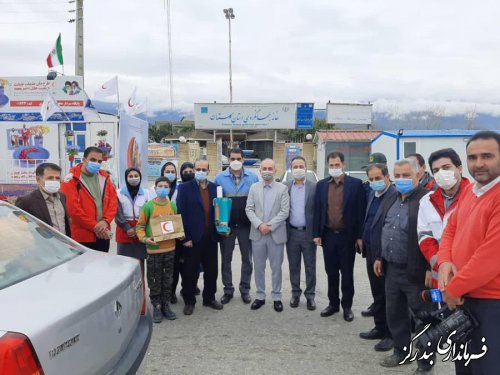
350 114
225 116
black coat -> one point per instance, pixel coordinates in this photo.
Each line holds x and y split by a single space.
34 204
417 264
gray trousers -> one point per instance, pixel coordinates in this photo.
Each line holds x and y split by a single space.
264 249
298 246
226 249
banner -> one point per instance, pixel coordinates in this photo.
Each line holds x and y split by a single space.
292 150
352 114
159 154
214 116
133 147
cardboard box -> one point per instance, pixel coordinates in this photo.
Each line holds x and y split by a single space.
167 227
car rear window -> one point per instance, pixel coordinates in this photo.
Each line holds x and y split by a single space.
30 247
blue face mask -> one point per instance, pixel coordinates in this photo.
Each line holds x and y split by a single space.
200 176
404 185
377 185
93 167
162 192
171 176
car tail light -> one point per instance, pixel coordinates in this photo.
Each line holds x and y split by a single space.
17 356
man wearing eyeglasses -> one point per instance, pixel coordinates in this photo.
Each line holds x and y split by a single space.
194 203
236 182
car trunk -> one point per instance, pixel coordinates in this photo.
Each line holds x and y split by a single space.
79 316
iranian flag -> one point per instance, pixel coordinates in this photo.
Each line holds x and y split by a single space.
55 56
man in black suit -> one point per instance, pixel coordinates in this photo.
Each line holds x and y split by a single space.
47 203
339 211
194 203
381 190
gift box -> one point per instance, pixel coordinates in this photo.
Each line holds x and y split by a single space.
168 227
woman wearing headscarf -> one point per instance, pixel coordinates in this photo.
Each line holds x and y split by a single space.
131 199
187 174
169 170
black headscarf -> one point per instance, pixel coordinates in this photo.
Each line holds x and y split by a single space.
173 184
132 190
185 166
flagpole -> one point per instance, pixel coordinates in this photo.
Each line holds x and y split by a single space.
118 98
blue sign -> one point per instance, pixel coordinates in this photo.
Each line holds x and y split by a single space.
305 115
36 116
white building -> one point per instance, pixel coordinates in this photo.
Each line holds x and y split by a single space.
396 145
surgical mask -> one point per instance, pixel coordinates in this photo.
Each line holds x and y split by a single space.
377 185
171 176
236 165
93 167
200 176
404 185
51 186
267 176
335 172
187 177
299 174
162 192
445 179
134 181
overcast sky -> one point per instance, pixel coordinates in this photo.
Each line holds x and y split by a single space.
400 55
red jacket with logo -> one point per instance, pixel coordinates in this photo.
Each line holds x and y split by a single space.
81 206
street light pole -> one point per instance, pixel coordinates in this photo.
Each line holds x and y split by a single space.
229 14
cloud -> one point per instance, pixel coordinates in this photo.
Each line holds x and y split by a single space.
393 53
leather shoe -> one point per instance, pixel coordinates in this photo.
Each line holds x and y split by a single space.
188 309
311 305
385 345
226 298
246 298
294 302
329 311
368 312
374 334
216 305
278 306
257 304
348 315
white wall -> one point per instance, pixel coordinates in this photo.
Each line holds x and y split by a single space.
320 160
424 146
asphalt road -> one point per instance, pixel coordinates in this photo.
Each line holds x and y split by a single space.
238 340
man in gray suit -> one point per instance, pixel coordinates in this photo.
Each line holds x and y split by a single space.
300 229
267 209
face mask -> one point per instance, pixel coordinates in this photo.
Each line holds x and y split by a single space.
134 181
404 185
377 185
445 179
334 172
187 177
171 176
162 192
299 174
52 187
267 176
93 167
200 176
236 165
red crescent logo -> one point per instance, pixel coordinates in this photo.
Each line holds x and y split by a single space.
130 104
104 87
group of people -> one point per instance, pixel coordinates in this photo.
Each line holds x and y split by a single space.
415 230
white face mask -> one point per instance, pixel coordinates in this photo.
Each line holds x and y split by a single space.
299 174
335 172
445 179
134 181
52 186
236 165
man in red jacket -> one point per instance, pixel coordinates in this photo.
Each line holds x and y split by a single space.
469 256
91 200
437 206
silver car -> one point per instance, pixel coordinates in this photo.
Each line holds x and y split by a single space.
66 309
